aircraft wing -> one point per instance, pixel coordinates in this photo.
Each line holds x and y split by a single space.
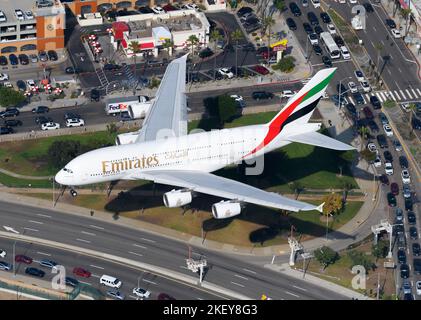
222 187
168 112
320 140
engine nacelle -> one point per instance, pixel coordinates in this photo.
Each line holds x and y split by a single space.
226 209
177 198
139 110
126 138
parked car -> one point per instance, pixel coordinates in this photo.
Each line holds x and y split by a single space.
413 233
375 102
165 296
368 113
242 11
388 168
295 10
3 61
403 162
359 75
381 139
401 256
339 41
291 24
416 249
406 178
40 109
383 118
406 191
312 18
12 123
317 49
33 57
404 271
331 28
391 200
6 130
398 146
52 55
48 263
325 17
2 253
396 33
42 120
359 99
390 23
318 30
412 219
13 59
43 56
95 95
5 266
373 126
9 112
377 162
399 215
368 7
409 205
350 107
260 95
388 156
207 52
388 130
260 70
23 59
384 179
21 85
307 28
394 189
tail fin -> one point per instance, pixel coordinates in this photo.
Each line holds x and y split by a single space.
300 107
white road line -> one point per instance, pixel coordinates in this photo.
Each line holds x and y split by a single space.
184 267
352 101
136 254
237 284
397 85
299 288
383 94
37 222
367 96
30 229
85 283
251 271
391 57
391 94
43 215
388 71
379 96
96 227
374 28
89 233
402 94
139 246
400 70
149 240
419 92
133 297
149 281
83 240
241 277
414 92
397 95
95 276
44 254
94 266
292 294
382 42
409 94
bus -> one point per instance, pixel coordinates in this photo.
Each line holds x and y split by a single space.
330 44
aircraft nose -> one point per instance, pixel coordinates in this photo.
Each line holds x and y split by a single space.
60 178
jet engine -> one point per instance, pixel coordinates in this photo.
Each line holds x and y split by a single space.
126 138
177 198
226 209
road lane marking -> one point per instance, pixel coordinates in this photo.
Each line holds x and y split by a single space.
184 267
397 96
89 233
251 271
85 283
95 276
408 93
237 284
419 92
299 288
149 281
96 227
139 246
133 297
391 94
400 70
94 266
292 294
397 85
199 298
37 222
43 215
403 96
241 277
388 71
30 229
83 240
137 254
44 254
149 240
414 92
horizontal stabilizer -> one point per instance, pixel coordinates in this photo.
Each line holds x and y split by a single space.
319 140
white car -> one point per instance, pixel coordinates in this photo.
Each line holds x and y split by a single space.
141 293
288 94
29 15
388 168
359 75
352 1
396 33
237 97
75 122
4 77
388 130
378 162
366 86
372 147
405 107
158 10
418 287
345 53
331 28
2 253
31 83
226 73
19 15
2 17
352 87
50 126
7 84
313 38
192 6
342 1
406 178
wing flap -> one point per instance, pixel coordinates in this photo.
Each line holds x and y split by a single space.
319 140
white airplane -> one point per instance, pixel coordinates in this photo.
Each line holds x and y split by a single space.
162 151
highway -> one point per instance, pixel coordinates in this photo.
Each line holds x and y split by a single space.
232 273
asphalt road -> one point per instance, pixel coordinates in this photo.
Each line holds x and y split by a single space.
233 273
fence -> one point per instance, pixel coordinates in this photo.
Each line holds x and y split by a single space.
34 292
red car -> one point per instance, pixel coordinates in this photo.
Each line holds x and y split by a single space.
368 114
261 70
394 188
164 296
23 258
81 272
266 55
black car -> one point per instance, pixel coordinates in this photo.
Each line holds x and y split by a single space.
398 228
404 271
373 126
368 7
71 115
6 130
341 89
384 179
111 67
291 24
249 47
9 112
325 17
42 120
52 55
412 219
13 60
21 85
350 107
23 59
317 49
391 200
417 266
207 52
375 102
401 256
403 162
35 272
95 95
416 123
71 282
71 70
416 249
307 28
311 16
359 99
145 10
295 10
326 61
40 109
263 50
413 233
408 204
390 23
381 139
3 61
318 30
12 123
258 95
339 41
388 156
241 12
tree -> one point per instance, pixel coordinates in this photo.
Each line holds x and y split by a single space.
326 256
192 42
296 187
411 107
62 151
236 36
333 204
111 128
285 64
280 5
268 22
361 259
389 103
380 249
227 108
364 132
10 97
406 14
134 46
215 36
168 45
346 187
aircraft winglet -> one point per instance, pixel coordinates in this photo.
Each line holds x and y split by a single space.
320 208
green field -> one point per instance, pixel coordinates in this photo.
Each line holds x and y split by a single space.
23 183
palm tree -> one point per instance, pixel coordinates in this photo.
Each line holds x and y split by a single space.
215 36
268 22
411 107
406 14
364 132
236 36
280 5
169 45
193 41
134 46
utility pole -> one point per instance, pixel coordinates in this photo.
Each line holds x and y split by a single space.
378 285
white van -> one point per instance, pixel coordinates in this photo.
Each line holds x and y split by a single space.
110 281
316 3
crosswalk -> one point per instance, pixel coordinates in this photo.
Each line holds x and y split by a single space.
395 95
102 77
129 75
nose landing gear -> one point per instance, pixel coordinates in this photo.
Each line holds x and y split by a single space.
73 192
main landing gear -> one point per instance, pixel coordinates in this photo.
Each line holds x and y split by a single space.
73 192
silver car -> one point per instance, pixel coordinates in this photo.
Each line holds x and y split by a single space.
115 294
5 266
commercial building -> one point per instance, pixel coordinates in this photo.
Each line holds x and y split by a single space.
29 26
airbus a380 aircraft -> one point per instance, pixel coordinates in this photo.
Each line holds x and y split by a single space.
163 152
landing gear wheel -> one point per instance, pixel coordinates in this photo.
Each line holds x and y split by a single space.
73 192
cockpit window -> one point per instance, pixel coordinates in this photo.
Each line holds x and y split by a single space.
67 170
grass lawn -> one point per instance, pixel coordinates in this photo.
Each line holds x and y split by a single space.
23 183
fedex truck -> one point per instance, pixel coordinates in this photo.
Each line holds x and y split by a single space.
138 104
